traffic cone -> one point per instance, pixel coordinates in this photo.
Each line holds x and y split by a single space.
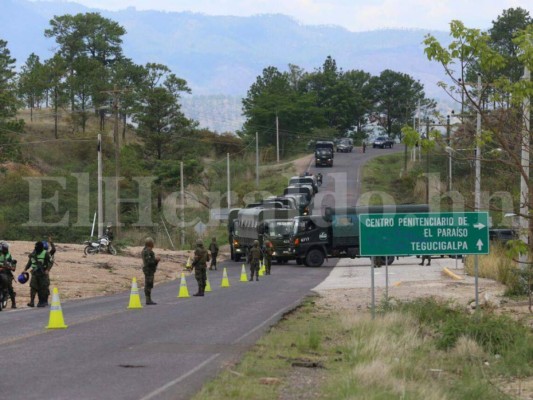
244 278
184 291
135 299
207 285
225 281
188 265
56 314
261 268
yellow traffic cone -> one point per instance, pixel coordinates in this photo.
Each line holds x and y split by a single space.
207 285
244 278
135 299
261 268
56 314
188 265
225 281
184 291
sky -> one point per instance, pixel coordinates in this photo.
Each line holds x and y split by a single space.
354 15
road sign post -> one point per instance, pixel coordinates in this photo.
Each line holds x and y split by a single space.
449 233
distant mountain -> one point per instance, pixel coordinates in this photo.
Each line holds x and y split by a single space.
223 55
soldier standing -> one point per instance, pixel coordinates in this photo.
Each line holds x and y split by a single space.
7 267
150 262
426 257
253 258
213 248
40 263
201 257
269 250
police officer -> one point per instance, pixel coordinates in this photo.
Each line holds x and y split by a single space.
7 267
201 257
213 248
40 263
269 250
150 262
254 255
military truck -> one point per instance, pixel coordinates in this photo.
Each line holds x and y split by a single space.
236 250
336 233
304 180
263 224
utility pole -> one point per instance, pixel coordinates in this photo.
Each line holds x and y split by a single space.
427 160
100 201
448 140
116 92
477 189
229 182
524 176
182 195
257 159
277 138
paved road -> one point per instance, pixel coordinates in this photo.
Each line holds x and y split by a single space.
342 182
166 351
162 352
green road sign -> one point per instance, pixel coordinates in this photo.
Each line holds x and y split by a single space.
423 233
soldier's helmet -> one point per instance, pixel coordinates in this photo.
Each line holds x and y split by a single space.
148 241
256 243
199 242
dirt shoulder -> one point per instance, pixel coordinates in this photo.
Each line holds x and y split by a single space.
81 276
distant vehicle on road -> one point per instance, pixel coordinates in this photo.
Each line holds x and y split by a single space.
345 145
323 157
383 142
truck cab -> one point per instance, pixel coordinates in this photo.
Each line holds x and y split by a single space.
336 233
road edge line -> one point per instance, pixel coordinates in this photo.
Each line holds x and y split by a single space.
452 275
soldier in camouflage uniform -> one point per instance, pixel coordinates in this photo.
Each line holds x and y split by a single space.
40 263
150 262
269 250
7 267
213 248
201 257
254 255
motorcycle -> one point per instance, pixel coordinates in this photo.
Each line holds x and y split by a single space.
101 245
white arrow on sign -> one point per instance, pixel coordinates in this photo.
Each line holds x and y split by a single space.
479 244
479 226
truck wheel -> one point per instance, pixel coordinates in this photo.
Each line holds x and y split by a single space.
384 259
237 257
314 258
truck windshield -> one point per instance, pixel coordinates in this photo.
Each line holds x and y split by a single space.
303 225
279 228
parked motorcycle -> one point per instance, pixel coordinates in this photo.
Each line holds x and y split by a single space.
101 245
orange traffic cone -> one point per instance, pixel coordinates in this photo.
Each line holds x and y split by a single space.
56 314
184 291
135 299
225 280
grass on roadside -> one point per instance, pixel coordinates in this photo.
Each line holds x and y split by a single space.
498 266
418 350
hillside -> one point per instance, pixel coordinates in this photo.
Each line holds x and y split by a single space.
222 55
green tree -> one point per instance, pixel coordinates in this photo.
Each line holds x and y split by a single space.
505 124
88 36
55 70
161 124
502 34
32 83
9 103
274 96
395 98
